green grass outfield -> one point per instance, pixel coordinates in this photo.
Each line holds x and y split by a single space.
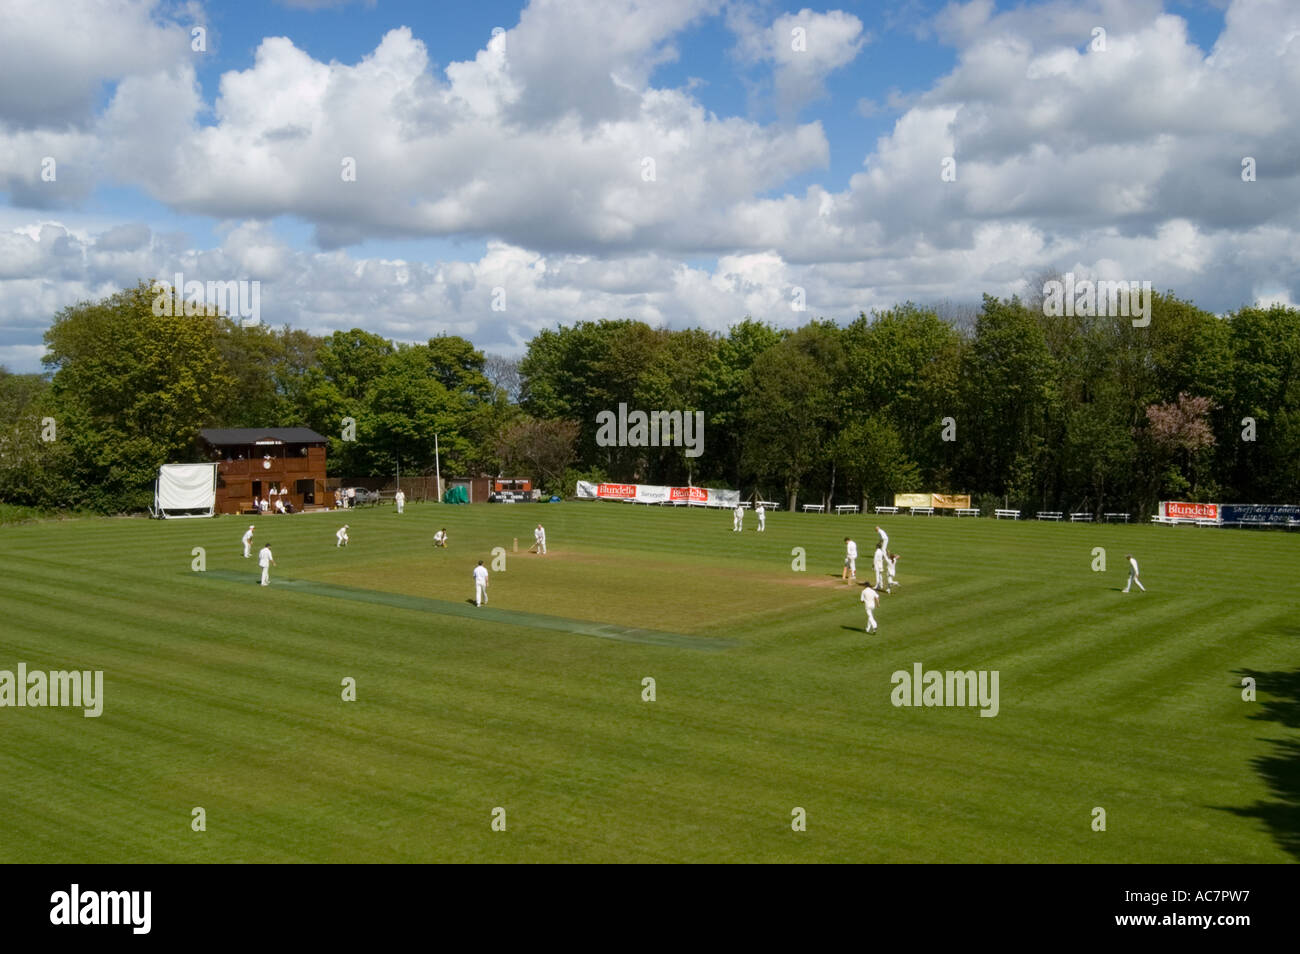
226 695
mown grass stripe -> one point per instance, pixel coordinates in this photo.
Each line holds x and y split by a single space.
421 604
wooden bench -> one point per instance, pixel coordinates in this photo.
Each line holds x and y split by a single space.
1207 522
1080 518
770 504
1114 517
1044 514
999 514
846 508
966 511
885 509
928 511
814 508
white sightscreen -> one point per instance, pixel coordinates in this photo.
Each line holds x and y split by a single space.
186 487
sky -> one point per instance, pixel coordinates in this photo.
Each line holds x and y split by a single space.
493 169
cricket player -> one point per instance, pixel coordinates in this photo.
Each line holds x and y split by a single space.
738 518
440 538
1133 574
878 564
761 511
891 566
248 541
850 560
399 498
342 536
539 540
265 560
884 539
480 584
870 599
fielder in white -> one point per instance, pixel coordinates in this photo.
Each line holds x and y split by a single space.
761 512
850 560
870 599
884 539
342 536
248 541
440 538
265 560
738 518
891 566
539 540
1133 574
480 584
399 498
878 564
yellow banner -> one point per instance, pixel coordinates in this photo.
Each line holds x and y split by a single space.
950 501
912 500
940 501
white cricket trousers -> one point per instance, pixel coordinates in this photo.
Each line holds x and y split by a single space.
480 594
871 621
266 576
246 553
1133 578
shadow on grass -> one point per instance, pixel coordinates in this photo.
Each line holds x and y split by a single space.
1281 768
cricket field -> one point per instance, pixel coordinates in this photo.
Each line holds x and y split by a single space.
655 688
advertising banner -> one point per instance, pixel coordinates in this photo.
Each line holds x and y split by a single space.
938 501
1275 514
653 494
1189 511
950 501
912 500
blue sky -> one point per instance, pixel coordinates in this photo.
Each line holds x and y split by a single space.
519 164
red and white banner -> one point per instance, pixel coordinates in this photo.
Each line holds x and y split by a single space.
1189 511
652 494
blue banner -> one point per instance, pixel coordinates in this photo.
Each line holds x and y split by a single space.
1269 514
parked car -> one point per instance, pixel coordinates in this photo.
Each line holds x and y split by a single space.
364 496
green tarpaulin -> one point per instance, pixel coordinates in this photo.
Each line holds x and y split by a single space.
456 495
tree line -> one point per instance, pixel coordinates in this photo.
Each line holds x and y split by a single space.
1077 413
